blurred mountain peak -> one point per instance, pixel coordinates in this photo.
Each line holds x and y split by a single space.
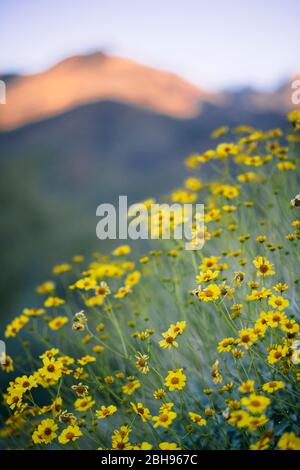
84 79
81 59
98 76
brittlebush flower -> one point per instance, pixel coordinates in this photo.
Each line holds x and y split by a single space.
196 418
283 166
225 149
264 267
102 290
184 197
280 287
26 382
275 318
289 326
122 250
87 283
105 411
123 292
239 418
54 302
51 370
193 184
93 301
263 293
207 276
164 419
140 410
219 131
247 337
227 190
70 434
16 325
131 386
215 373
128 265
55 407
66 418
209 263
225 344
278 302
58 323
289 441
143 446
277 353
166 407
159 394
83 404
45 432
175 380
257 421
46 288
209 294
233 404
34 312
262 444
246 177
120 438
133 278
178 328
247 386
169 340
273 386
86 360
81 390
142 363
61 268
256 403
169 446
50 353
109 379
6 363
239 277
14 397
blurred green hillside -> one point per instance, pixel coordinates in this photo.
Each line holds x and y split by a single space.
54 174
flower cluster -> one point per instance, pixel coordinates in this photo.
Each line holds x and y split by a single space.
178 349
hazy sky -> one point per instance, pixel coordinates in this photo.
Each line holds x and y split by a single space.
214 43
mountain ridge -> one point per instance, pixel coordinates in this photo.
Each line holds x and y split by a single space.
96 77
83 79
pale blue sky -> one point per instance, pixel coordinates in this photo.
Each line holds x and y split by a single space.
214 43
